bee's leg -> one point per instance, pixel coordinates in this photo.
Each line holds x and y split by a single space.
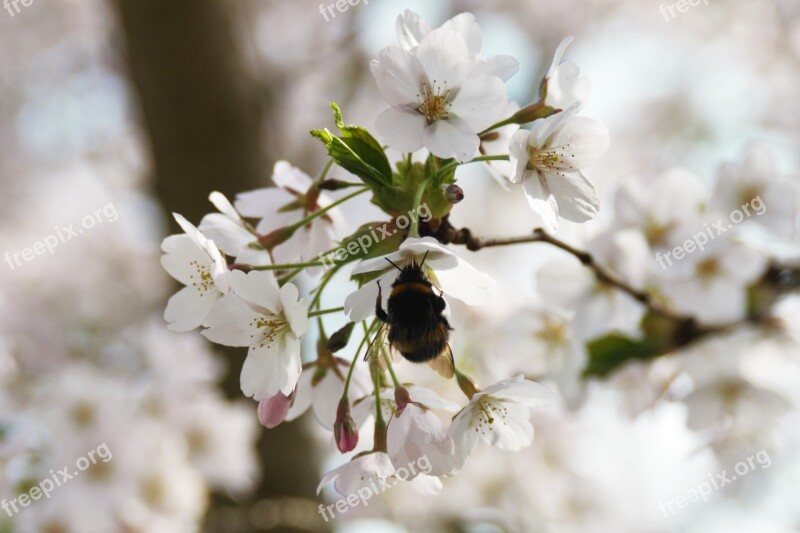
379 312
438 304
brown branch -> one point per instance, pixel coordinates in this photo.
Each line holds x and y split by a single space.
668 329
447 234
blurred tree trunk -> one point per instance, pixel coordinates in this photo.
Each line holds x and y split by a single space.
200 108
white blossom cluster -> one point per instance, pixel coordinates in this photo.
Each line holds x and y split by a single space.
95 369
240 278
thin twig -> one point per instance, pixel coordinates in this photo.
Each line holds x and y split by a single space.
447 234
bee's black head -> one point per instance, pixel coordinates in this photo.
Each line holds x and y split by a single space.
412 272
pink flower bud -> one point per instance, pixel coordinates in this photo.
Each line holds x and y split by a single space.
401 397
272 411
454 193
344 429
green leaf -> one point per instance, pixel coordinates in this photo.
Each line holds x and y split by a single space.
357 151
608 353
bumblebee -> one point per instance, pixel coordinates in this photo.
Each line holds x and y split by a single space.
414 324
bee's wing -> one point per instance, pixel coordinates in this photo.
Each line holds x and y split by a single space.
380 348
443 363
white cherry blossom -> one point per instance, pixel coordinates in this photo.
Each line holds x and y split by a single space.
232 234
565 86
549 161
195 261
500 416
411 30
710 283
269 320
438 100
756 184
374 470
359 472
414 433
284 205
660 207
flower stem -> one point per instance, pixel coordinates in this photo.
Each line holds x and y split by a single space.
318 291
355 360
322 211
324 172
325 311
286 266
290 276
478 159
379 442
506 122
414 230
397 384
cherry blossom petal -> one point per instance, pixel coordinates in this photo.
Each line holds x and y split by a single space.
223 205
410 29
402 128
481 102
501 66
575 195
452 138
187 308
228 234
231 322
302 395
523 391
296 311
181 257
288 177
465 25
398 74
444 57
542 201
271 367
257 287
462 281
519 154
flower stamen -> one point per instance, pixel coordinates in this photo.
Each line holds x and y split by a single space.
435 102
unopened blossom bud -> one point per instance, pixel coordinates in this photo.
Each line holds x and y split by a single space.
339 339
454 193
532 112
344 429
402 397
277 237
272 411
466 385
